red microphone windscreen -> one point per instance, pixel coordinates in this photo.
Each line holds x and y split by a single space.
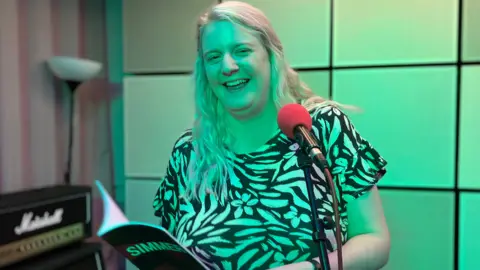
291 116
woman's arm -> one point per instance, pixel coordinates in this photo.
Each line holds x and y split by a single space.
368 246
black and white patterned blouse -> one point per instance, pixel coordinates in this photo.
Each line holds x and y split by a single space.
266 220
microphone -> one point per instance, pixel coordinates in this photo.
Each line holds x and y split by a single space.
296 123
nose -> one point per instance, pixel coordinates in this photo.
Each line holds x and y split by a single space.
230 66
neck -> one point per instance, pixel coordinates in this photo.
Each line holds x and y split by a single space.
251 133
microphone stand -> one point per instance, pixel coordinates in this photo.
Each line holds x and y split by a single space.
318 236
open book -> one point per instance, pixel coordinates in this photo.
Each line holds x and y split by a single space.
147 246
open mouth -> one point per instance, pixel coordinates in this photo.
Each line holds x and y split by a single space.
236 85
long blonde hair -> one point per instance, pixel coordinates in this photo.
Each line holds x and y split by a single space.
210 167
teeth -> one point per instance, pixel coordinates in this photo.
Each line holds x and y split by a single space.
235 83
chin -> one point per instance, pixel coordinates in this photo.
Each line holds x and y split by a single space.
245 112
247 104
241 114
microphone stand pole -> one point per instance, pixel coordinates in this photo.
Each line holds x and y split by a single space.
318 236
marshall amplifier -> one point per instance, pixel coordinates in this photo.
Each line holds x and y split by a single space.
37 221
83 256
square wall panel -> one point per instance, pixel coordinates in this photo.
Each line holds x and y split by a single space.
469 249
157 110
408 114
139 196
421 226
303 28
471 34
318 81
377 32
469 176
159 36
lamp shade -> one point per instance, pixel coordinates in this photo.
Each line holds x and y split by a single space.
74 69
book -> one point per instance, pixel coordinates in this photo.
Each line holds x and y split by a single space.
147 246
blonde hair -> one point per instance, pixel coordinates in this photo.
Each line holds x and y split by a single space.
210 167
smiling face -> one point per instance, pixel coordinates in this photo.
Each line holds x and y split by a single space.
237 67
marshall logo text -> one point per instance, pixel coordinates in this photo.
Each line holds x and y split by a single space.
30 224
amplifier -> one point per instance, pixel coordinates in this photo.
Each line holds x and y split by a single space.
82 256
40 220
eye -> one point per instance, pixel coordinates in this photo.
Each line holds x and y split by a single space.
243 50
212 58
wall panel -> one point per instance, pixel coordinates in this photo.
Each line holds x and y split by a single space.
408 115
157 110
159 35
384 32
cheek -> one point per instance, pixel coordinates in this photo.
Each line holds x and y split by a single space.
211 70
265 76
263 69
213 83
210 74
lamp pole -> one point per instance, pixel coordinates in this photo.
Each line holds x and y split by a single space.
72 85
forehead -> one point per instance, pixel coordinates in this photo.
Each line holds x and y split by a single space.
222 34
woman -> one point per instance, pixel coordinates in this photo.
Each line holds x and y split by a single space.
233 190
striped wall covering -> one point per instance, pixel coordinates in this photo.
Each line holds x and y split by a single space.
34 107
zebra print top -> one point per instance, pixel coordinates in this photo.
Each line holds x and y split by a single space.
266 221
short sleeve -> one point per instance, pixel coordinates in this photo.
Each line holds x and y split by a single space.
353 162
166 200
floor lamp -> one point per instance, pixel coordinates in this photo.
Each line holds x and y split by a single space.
73 72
